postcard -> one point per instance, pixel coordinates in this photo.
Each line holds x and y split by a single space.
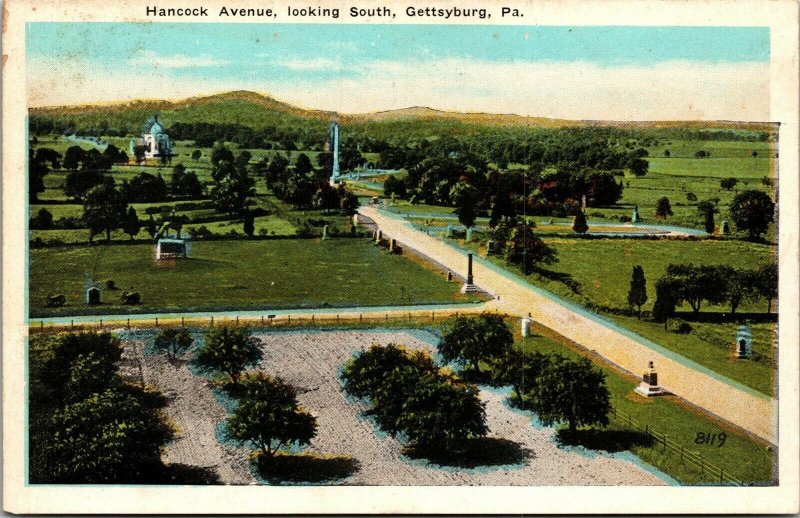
400 257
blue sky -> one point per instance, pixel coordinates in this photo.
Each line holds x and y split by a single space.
372 67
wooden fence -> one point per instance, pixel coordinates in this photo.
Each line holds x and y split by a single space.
708 471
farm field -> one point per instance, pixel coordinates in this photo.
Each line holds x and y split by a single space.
240 274
596 273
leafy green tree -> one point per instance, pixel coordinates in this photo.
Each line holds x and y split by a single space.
767 283
638 166
663 208
302 164
526 249
196 154
439 415
174 341
104 209
637 294
364 374
580 225
131 224
572 391
108 437
249 225
465 198
694 284
73 157
476 339
42 221
394 185
89 374
666 300
269 416
752 211
739 285
349 203
67 349
78 183
276 171
228 350
728 183
520 370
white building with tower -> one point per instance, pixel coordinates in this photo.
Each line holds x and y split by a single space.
154 139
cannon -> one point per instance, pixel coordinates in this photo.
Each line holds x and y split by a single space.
56 301
130 298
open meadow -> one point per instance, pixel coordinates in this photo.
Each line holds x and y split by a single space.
237 274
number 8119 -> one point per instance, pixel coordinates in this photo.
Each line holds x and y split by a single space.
710 439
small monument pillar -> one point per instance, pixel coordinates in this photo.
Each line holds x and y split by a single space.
449 230
635 216
744 343
725 228
649 385
469 286
325 232
526 326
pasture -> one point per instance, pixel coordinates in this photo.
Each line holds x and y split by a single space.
237 274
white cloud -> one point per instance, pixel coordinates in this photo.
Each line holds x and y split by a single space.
317 64
152 58
678 90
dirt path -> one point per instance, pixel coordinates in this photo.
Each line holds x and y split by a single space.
731 401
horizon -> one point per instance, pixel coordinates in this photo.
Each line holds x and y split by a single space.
634 73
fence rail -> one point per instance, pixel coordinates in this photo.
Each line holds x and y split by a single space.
708 471
265 320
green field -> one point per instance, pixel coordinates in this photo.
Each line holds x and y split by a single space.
596 273
237 274
740 456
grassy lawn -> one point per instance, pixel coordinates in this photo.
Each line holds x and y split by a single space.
740 456
238 274
597 273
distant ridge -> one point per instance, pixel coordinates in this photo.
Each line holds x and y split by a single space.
268 103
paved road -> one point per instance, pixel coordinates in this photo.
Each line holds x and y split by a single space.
723 397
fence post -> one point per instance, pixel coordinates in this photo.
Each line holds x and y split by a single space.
212 320
387 317
72 324
237 320
289 318
182 321
360 317
157 321
129 323
101 323
312 318
262 320
409 316
702 468
646 429
433 316
337 318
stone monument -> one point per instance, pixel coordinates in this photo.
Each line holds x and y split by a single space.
635 216
649 385
332 146
91 290
526 325
469 286
449 230
325 232
744 342
725 228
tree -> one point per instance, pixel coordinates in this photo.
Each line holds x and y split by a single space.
666 299
302 164
37 169
89 374
663 208
694 284
752 211
526 249
104 209
579 224
185 183
691 197
228 350
349 203
55 370
472 340
437 415
249 225
667 154
78 183
196 154
269 416
465 197
73 157
276 170
637 294
232 183
131 224
151 227
572 391
728 183
106 438
174 341
520 370
638 166
707 209
767 284
394 185
42 221
739 285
